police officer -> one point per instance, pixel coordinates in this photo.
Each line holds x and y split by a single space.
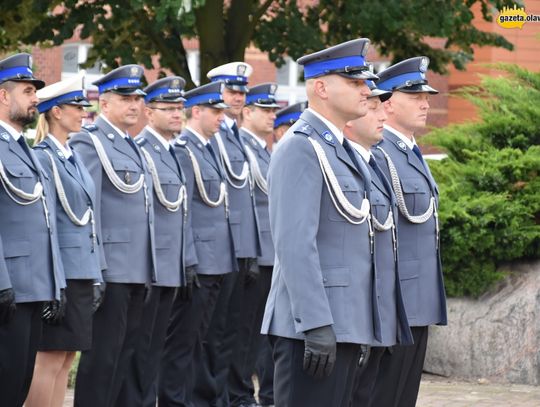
124 213
285 118
31 270
401 161
258 117
209 233
363 133
212 371
164 111
322 306
61 110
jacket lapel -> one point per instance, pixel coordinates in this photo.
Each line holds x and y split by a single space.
164 154
118 141
203 150
17 149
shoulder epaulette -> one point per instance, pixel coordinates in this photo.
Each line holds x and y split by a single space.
90 128
180 142
304 129
141 141
40 145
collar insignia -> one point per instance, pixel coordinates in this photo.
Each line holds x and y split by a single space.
5 136
327 136
402 145
110 136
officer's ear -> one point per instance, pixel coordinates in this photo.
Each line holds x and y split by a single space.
4 94
388 107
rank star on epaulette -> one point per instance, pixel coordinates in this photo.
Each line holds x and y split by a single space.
327 136
402 145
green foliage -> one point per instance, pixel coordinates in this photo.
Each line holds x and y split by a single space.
489 184
134 31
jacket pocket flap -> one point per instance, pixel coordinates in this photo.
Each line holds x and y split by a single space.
348 183
204 234
18 170
118 235
336 277
412 186
16 248
69 240
124 165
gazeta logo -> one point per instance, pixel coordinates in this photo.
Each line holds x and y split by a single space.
515 17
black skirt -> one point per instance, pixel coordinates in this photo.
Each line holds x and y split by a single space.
75 331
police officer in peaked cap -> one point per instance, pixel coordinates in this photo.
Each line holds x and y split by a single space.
417 195
32 279
285 118
125 215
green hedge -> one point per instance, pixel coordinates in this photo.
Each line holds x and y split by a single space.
490 190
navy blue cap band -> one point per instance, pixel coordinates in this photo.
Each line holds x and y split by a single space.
172 92
400 80
286 118
239 80
60 100
119 83
207 98
10 73
328 66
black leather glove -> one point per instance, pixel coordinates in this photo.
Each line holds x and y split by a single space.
252 273
98 295
365 352
7 305
53 311
320 351
186 292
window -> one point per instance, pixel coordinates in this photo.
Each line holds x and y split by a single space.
290 89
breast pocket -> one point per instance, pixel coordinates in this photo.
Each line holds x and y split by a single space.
379 205
415 192
351 190
170 184
211 181
21 176
127 170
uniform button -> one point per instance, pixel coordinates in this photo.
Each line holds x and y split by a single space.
416 187
325 280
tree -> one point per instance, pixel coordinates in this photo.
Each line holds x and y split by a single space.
133 31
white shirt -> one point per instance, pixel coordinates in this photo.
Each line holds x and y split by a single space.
260 140
229 122
333 128
14 133
408 142
366 154
201 138
125 135
64 149
160 138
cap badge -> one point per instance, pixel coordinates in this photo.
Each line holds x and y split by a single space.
241 70
402 145
30 61
423 64
273 89
175 83
134 71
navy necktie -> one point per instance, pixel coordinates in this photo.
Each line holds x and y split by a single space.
132 144
234 129
418 153
382 178
24 146
71 159
212 153
175 160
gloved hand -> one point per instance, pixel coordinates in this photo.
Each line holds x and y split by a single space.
320 351
185 293
253 272
53 311
7 305
365 352
98 295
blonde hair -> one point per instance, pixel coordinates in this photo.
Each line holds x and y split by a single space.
42 128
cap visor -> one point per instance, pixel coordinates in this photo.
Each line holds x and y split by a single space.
128 91
419 89
168 100
383 95
359 75
237 88
218 105
263 105
38 83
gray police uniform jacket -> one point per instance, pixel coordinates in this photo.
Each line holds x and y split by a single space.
79 247
169 225
394 327
126 220
323 274
209 231
242 214
30 258
262 156
418 247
